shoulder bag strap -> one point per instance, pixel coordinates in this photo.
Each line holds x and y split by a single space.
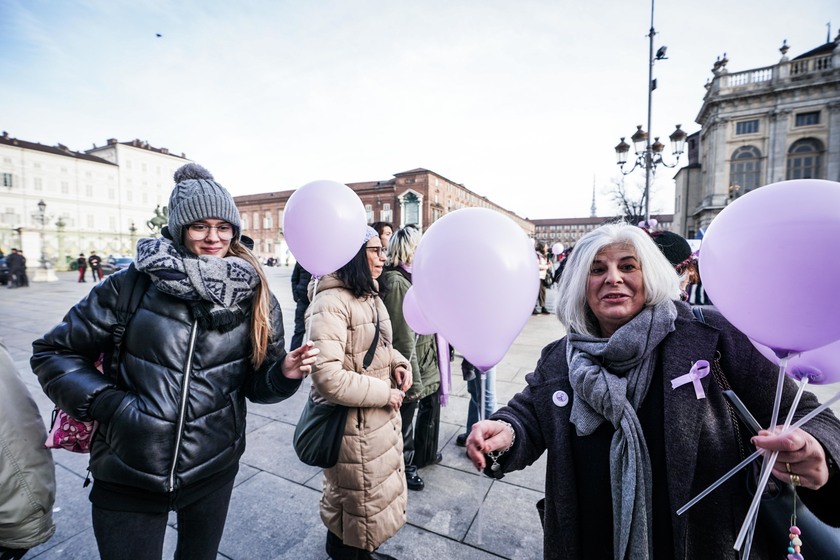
372 350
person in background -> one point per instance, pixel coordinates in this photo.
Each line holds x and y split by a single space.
364 496
544 266
95 262
300 287
385 230
623 443
17 269
27 472
82 264
206 336
678 252
476 385
420 437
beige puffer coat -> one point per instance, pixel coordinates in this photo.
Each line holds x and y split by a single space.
364 494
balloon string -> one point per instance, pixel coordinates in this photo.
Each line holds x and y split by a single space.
767 468
481 413
309 323
798 424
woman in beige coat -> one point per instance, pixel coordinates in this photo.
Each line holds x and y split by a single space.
364 493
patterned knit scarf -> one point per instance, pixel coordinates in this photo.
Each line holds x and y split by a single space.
214 288
610 378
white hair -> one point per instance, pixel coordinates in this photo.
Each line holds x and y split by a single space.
660 279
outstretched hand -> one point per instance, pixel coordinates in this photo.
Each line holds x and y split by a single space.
801 457
298 363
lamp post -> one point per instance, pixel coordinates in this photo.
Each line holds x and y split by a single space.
45 273
648 155
132 230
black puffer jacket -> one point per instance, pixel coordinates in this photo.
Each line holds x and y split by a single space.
182 417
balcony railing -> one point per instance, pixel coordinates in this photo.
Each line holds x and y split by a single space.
779 73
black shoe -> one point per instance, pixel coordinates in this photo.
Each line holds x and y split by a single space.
461 440
535 312
438 458
545 311
414 482
380 556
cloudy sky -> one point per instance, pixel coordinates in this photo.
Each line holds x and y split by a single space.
521 101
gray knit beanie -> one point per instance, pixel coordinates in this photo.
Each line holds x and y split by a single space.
197 196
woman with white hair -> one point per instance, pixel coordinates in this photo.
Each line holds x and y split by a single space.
623 443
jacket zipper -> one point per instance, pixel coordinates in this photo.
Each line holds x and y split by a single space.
182 411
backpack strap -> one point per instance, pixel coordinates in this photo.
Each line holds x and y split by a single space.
698 313
133 288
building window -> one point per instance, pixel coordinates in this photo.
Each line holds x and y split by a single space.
256 220
7 180
369 213
746 127
89 191
804 159
807 119
39 184
267 221
244 221
744 170
65 187
385 214
412 210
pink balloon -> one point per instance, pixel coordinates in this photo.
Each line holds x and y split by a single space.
414 316
557 248
476 280
324 224
769 263
821 365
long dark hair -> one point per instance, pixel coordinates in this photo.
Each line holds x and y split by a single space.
356 275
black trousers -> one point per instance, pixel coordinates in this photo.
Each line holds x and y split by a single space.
139 536
300 326
407 411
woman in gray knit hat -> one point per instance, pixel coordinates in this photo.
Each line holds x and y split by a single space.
206 335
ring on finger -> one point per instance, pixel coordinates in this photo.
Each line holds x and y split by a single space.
787 466
795 479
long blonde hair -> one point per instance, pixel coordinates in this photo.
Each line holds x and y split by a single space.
261 327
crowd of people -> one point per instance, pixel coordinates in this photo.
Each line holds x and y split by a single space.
623 446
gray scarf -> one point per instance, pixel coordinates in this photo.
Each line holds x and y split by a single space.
610 378
214 287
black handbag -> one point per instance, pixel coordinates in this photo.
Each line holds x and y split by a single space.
821 540
319 430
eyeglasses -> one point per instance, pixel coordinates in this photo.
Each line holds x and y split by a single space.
381 251
197 232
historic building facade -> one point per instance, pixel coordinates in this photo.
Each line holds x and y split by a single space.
99 199
569 230
418 196
758 127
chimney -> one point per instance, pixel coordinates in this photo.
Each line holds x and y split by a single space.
112 141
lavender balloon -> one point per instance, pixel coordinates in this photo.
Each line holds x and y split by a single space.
769 262
821 365
414 316
324 224
476 280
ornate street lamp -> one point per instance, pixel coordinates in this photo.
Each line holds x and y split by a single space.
45 272
649 156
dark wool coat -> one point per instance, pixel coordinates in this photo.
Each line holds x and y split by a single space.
700 442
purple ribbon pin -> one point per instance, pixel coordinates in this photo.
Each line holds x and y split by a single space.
699 370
